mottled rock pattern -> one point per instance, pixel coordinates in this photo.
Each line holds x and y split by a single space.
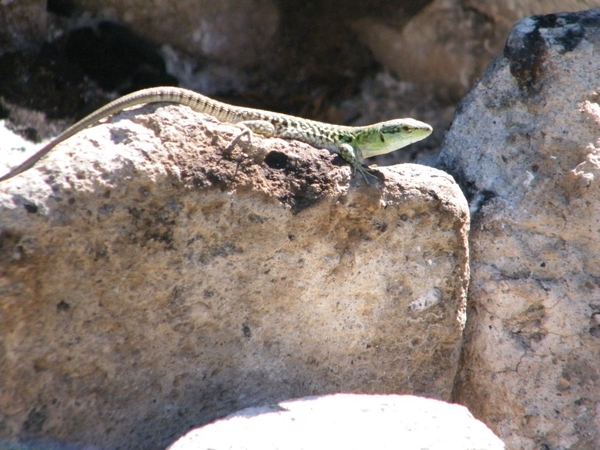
525 145
345 421
152 281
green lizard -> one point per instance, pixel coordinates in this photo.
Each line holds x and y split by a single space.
351 143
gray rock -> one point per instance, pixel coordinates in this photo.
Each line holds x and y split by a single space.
349 422
525 145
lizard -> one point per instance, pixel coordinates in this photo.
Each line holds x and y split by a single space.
352 143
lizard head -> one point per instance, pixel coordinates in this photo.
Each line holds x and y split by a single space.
385 137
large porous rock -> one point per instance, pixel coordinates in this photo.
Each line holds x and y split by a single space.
154 278
349 422
525 144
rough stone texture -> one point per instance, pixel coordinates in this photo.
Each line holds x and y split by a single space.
151 281
349 422
235 32
22 23
450 42
525 144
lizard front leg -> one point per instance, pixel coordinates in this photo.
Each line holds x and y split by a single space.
348 154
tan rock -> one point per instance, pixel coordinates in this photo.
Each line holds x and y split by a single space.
349 422
151 281
525 145
449 43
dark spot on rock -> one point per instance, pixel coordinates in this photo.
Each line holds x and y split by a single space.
246 330
63 306
34 422
526 52
255 218
30 208
381 227
276 160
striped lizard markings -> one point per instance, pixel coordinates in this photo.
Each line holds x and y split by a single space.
351 143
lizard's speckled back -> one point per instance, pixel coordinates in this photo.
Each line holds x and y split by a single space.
352 143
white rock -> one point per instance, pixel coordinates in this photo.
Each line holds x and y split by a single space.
348 422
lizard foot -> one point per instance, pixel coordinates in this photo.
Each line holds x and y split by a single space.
370 176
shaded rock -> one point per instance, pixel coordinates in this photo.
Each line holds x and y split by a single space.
525 146
152 280
238 33
22 24
351 422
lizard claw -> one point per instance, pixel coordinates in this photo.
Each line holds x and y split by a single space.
367 174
